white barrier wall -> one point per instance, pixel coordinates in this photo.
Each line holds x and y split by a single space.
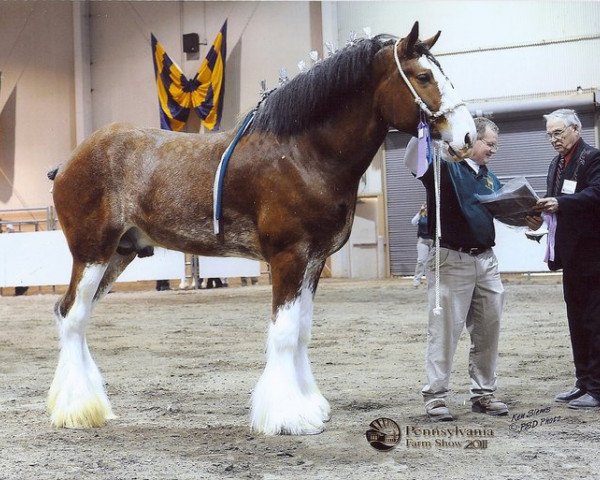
228 267
43 258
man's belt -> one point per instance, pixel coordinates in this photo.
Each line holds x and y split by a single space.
469 250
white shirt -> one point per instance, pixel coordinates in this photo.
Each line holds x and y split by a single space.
473 164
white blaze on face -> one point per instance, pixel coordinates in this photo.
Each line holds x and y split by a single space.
459 120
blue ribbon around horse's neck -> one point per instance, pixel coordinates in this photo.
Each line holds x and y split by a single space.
221 169
424 150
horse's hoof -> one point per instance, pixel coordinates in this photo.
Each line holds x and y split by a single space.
315 431
92 414
312 430
295 427
323 405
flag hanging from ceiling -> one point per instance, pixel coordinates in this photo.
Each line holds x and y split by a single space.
177 94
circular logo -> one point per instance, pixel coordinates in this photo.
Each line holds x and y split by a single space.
384 434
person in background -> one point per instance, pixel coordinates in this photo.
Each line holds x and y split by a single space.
470 290
572 209
424 243
244 280
213 282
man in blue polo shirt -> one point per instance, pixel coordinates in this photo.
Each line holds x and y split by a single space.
470 289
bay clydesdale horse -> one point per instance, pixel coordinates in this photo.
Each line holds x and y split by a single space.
289 197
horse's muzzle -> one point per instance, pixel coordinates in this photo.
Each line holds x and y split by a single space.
450 154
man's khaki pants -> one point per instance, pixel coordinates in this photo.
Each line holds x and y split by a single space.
471 294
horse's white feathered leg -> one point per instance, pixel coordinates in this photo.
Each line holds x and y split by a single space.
306 380
279 405
77 398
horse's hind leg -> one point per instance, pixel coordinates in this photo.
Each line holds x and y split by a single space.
282 401
77 397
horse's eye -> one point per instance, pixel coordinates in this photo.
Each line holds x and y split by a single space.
423 77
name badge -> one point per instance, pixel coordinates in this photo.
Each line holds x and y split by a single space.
569 186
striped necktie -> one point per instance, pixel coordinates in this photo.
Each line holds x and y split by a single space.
560 166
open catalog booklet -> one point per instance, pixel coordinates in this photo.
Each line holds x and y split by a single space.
512 203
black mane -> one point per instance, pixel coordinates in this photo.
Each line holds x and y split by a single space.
422 50
312 96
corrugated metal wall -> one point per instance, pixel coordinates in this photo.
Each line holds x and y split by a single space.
523 151
404 196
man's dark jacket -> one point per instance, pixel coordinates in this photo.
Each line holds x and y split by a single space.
577 241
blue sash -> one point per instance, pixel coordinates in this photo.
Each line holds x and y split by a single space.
221 169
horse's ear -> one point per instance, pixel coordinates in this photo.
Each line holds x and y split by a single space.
430 42
407 44
413 37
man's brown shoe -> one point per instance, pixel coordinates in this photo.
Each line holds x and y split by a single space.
489 405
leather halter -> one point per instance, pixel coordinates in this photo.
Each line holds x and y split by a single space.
418 100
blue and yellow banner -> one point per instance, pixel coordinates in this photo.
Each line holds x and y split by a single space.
204 93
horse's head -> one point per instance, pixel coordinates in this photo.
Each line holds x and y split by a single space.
413 82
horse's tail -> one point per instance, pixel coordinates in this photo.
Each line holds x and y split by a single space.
52 173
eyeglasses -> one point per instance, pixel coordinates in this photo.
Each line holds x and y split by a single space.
557 134
490 145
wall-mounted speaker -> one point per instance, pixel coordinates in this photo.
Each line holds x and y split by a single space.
191 43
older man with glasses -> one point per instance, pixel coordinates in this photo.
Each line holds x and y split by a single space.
572 209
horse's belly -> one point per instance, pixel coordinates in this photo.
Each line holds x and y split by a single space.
200 239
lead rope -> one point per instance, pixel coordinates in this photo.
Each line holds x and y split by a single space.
436 170
437 311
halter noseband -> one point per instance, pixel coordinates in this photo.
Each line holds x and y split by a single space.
418 100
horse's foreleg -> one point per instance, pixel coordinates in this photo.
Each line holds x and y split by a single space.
77 397
279 401
305 376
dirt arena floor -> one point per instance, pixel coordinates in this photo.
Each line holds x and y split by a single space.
180 367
